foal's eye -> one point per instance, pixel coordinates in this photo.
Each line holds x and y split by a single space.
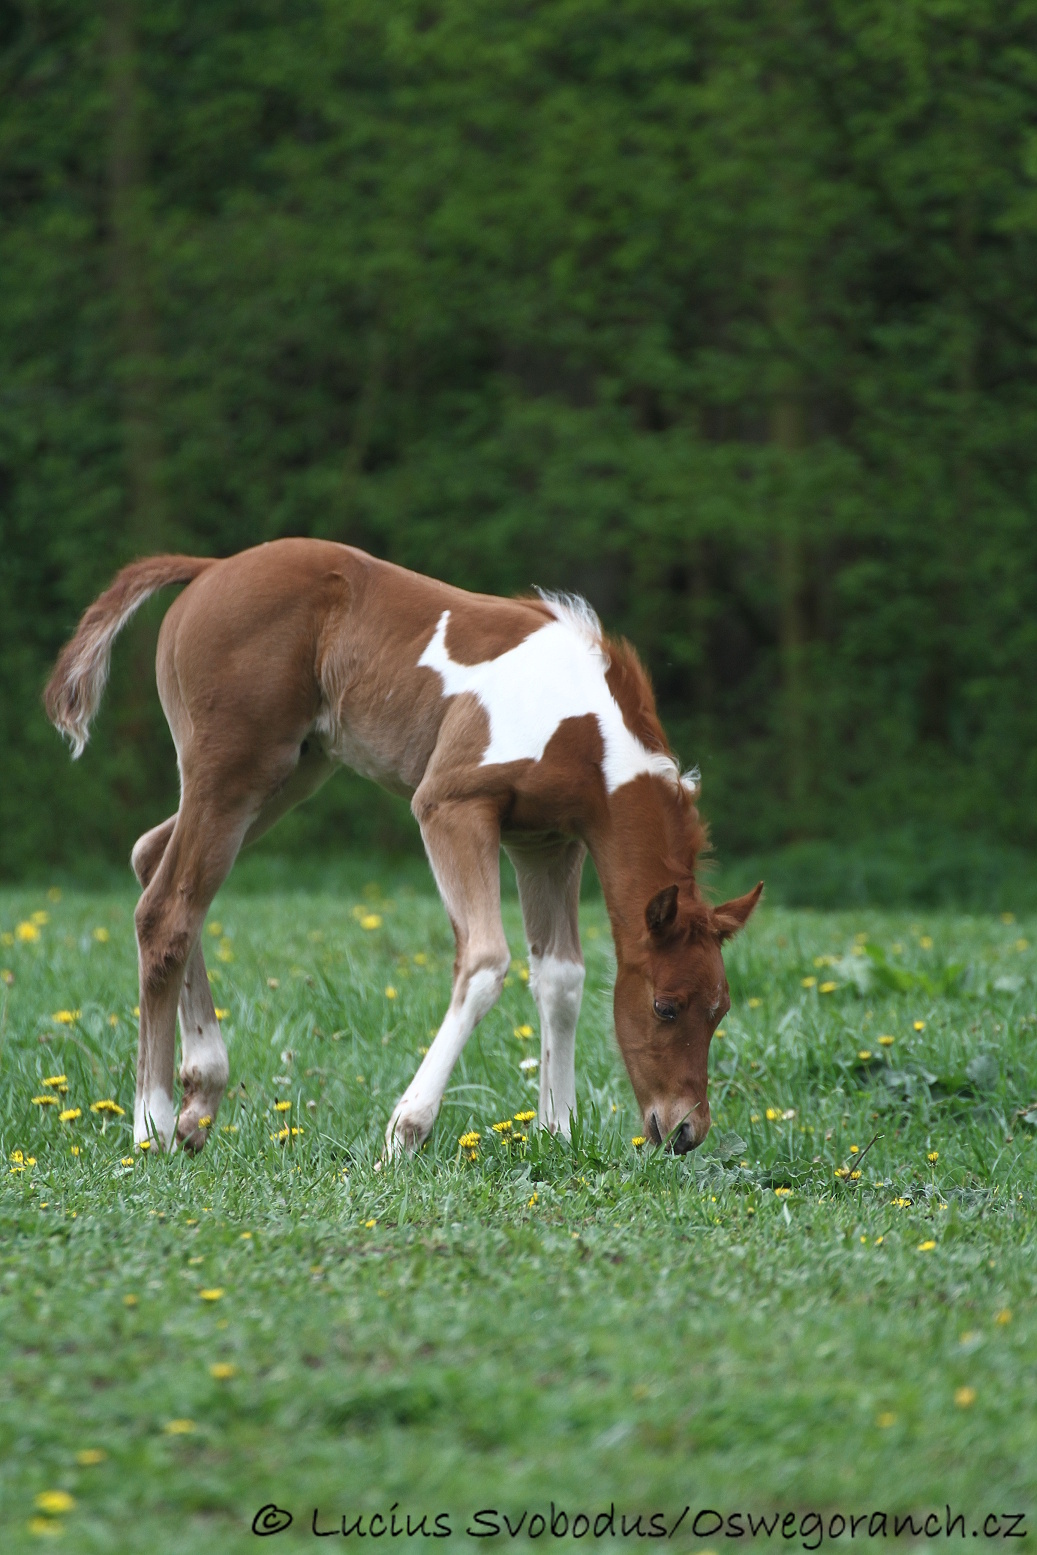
665 1009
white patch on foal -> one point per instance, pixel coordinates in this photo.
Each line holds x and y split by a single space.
154 1117
557 672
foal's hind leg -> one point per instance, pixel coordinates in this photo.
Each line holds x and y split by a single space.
204 1067
549 890
198 854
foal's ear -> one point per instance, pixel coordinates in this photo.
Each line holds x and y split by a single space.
734 915
661 911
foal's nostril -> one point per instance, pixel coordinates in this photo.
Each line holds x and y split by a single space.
654 1131
684 1139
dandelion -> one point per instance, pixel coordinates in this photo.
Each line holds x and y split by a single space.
225 951
470 1140
101 935
54 1502
754 1004
390 992
918 1025
754 1117
886 1042
842 1171
221 1014
58 1081
26 932
903 1203
282 1106
808 982
421 959
369 1225
720 1032
637 1141
215 1293
525 1117
130 1300
934 1155
824 960
145 1144
215 929
282 1133
523 974
855 1149
523 1031
926 1247
7 977
371 920
1008 917
504 1127
75 1149
179 1427
864 1054
1003 1317
885 1420
535 1199
782 1193
827 987
1022 944
964 1397
86 1457
45 1101
855 1176
926 942
70 1114
127 1160
222 1371
107 1105
66 1017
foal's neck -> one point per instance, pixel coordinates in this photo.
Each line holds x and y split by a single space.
644 842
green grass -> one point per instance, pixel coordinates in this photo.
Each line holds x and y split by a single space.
589 1325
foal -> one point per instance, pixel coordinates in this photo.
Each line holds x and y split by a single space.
506 721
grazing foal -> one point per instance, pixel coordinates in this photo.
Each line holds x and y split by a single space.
506 721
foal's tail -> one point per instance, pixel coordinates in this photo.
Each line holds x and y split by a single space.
75 688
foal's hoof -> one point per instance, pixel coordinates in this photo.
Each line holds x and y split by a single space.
194 1123
409 1127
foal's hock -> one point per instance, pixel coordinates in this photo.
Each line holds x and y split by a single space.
511 722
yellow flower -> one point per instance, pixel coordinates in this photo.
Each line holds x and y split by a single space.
964 1397
1008 917
1004 1316
926 942
39 918
127 1160
503 1127
26 932
808 982
919 1025
60 1081
70 1114
522 1032
145 1144
45 1101
754 1117
74 1149
842 1171
86 1457
215 929
903 1203
66 1017
369 1225
782 1193
222 1370
926 1247
371 920
532 1201
390 992
824 960
6 975
525 1117
213 1294
102 936
130 1301
638 1140
54 1502
221 1014
885 1042
720 1032
282 1133
524 974
282 1106
827 987
470 1140
1022 944
179 1427
864 1054
854 1176
885 1420
934 1155
107 1105
225 951
754 1004
855 1149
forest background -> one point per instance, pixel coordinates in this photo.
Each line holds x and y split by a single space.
723 313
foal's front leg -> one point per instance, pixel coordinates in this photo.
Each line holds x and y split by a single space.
462 840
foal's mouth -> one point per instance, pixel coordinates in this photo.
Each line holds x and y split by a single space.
681 1140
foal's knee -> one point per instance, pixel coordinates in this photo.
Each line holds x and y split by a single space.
483 982
162 946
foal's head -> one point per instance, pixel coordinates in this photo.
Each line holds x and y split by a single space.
668 1002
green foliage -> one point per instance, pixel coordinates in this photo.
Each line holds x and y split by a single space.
589 1324
722 313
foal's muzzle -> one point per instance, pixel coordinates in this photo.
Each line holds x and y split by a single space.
680 1140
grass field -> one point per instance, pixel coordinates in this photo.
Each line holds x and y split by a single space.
183 1341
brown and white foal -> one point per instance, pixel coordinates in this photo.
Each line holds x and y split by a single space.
506 721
